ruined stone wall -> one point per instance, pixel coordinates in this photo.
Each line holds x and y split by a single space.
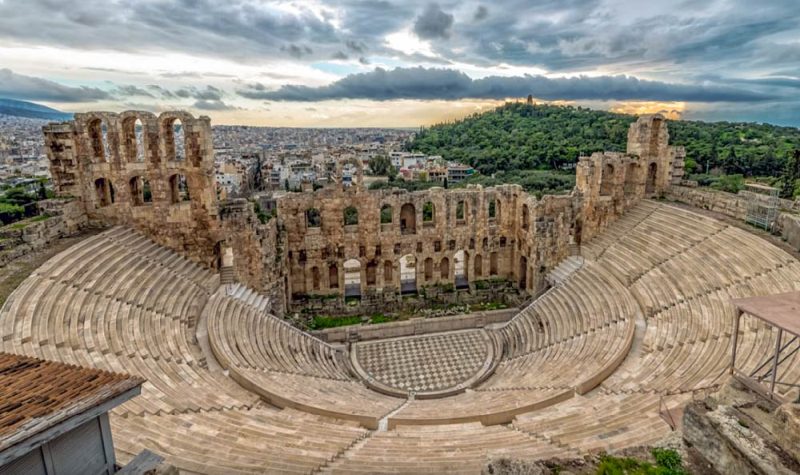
611 183
133 168
258 251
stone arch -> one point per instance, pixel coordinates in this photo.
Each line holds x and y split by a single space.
444 268
333 276
408 219
607 180
135 140
372 273
428 213
387 214
140 191
461 211
461 269
97 139
652 175
352 278
178 188
477 267
173 129
104 192
350 216
408 274
313 218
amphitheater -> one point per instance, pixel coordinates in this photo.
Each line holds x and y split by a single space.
627 309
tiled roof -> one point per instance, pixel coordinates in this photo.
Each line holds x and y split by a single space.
37 394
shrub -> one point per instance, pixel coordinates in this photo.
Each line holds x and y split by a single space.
321 321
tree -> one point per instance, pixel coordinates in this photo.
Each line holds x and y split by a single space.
381 165
791 174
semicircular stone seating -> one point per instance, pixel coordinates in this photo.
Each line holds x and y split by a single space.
569 376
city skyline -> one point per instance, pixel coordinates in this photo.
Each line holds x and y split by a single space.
403 64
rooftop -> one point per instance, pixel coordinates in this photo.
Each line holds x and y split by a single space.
37 394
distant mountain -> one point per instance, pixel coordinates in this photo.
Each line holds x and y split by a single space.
30 110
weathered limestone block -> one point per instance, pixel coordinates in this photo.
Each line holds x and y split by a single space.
786 428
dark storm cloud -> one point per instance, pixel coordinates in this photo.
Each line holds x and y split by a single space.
426 84
480 13
128 91
433 23
212 105
29 88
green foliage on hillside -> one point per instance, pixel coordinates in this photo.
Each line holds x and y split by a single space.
518 136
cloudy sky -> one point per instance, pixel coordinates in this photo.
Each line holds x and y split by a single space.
403 62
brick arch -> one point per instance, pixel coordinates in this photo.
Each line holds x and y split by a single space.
130 148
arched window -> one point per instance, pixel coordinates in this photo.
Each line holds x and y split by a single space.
178 188
133 138
350 216
525 215
493 263
428 269
138 131
386 214
478 271
492 208
607 180
461 213
96 137
352 278
652 174
408 219
444 268
372 272
315 278
104 191
460 271
428 212
179 141
333 276
140 191
408 274
313 218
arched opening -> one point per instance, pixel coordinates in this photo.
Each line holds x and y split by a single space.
631 178
333 276
106 143
352 278
408 274
478 266
350 216
372 273
386 214
140 191
652 171
178 189
607 180
96 137
408 219
315 278
138 131
460 269
492 208
428 213
523 272
444 269
461 212
313 218
388 273
104 192
428 269
578 231
493 263
525 217
178 141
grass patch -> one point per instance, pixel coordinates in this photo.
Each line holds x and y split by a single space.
381 318
668 462
322 321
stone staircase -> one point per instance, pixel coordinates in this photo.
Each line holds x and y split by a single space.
564 270
226 275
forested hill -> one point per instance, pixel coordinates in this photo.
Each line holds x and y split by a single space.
519 136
